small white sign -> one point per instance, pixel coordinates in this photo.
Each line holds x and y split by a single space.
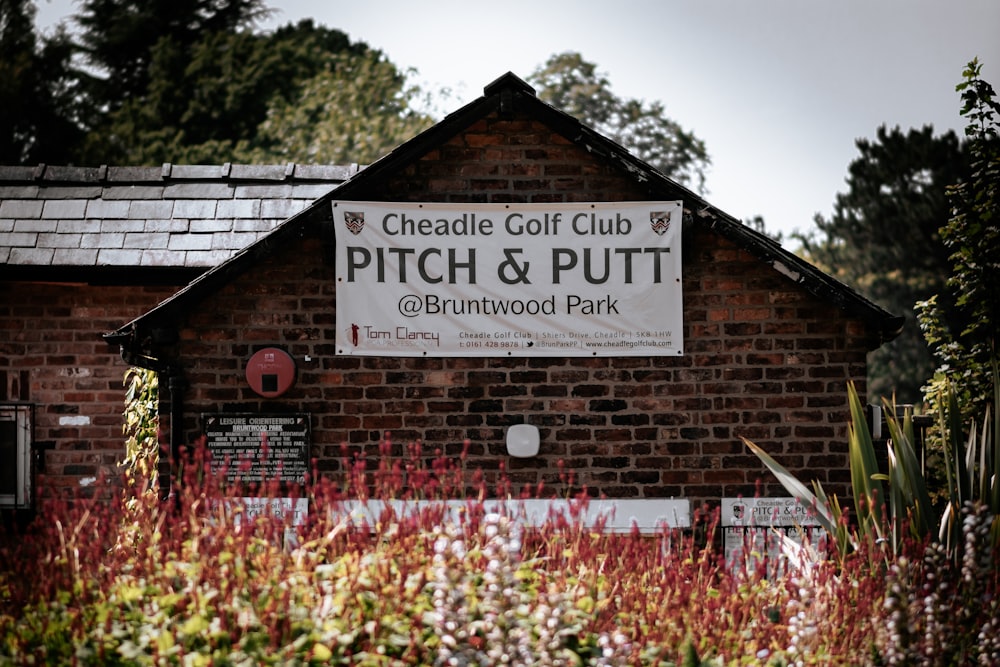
752 529
292 512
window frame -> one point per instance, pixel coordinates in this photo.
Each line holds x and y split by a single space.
22 414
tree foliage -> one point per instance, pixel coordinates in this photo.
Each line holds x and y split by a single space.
356 109
191 81
883 239
38 106
225 93
964 337
571 84
120 38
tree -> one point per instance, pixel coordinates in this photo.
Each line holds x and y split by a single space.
883 239
302 93
965 337
37 96
571 84
118 37
355 110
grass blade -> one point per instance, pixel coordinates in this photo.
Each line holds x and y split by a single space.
796 488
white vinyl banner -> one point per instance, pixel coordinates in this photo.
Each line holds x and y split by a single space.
568 279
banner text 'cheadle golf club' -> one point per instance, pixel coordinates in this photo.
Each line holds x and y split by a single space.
570 279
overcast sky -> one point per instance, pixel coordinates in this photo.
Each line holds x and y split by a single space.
778 89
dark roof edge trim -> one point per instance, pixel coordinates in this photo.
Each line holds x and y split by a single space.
884 325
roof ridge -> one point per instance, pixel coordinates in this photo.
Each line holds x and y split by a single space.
109 174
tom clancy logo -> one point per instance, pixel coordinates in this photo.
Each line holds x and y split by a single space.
354 221
658 220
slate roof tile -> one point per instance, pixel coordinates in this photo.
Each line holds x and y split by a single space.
75 257
59 240
146 240
123 226
210 191
134 192
269 191
77 226
159 257
17 172
143 210
210 226
238 208
190 242
86 192
102 208
74 174
31 225
116 257
31 256
18 239
69 208
173 226
259 172
21 208
191 209
197 171
17 191
103 240
134 174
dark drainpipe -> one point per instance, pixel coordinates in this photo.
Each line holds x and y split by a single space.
176 383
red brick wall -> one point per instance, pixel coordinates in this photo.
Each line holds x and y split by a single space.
763 358
52 355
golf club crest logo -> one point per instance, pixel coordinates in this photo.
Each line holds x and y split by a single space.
354 221
660 221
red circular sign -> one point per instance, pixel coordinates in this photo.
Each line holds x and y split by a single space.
271 372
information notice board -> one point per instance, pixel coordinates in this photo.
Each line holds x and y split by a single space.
259 447
751 527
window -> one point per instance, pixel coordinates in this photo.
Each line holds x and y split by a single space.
15 455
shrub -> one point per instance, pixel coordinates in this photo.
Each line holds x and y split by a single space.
197 580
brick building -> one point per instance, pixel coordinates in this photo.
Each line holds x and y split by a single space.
81 251
769 342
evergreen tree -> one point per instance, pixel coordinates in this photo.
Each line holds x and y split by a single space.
37 92
118 37
210 90
883 239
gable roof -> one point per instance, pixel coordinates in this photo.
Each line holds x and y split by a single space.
503 96
82 223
